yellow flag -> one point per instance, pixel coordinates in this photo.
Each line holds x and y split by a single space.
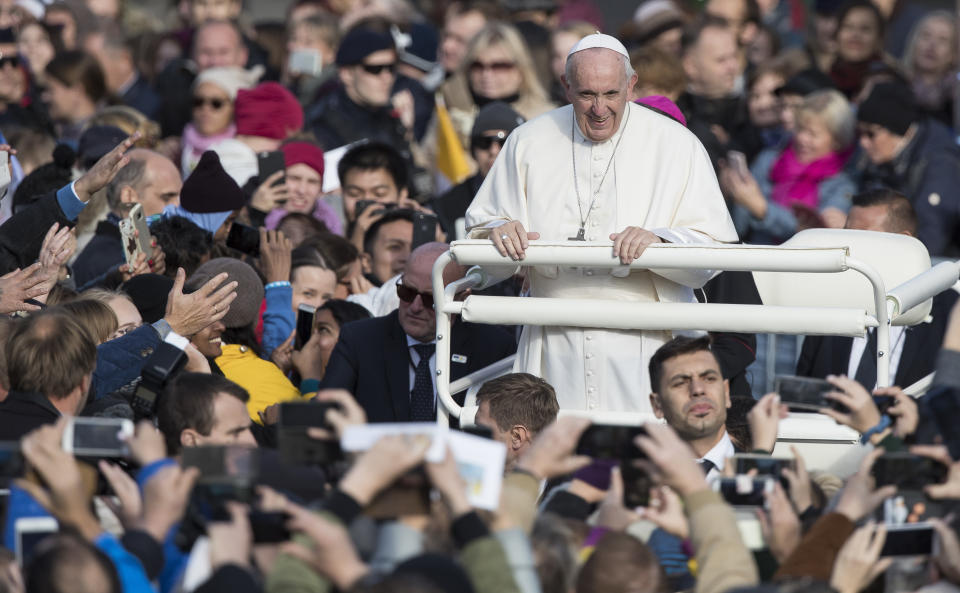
451 160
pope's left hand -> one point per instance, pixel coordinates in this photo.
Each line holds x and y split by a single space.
631 242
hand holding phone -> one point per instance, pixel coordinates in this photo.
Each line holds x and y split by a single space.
244 239
97 437
135 235
305 316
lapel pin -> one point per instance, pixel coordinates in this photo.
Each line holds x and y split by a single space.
459 358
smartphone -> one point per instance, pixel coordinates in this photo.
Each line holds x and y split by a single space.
764 464
912 539
424 229
305 61
135 234
884 402
28 532
98 437
636 485
11 461
294 445
305 315
306 414
907 471
744 491
610 441
269 163
738 162
244 239
806 394
945 408
362 205
269 528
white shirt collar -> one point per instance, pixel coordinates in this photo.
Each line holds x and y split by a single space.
718 454
411 342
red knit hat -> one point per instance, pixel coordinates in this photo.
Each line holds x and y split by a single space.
303 152
267 110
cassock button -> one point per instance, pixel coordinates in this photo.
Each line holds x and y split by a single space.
592 405
589 272
589 373
589 355
589 338
591 390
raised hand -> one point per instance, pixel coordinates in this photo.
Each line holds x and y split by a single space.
19 286
104 170
187 314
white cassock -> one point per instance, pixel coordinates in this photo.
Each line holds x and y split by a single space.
661 179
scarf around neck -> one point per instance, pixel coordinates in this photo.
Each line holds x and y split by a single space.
798 183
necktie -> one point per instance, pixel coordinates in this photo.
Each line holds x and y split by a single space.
867 369
706 465
421 397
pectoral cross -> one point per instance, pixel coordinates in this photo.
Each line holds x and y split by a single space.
580 235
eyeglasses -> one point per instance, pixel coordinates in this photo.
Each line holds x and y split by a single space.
11 60
498 67
485 142
215 104
376 69
408 294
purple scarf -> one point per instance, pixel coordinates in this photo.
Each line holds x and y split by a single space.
195 144
798 183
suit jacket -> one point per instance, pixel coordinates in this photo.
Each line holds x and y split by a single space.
371 360
22 413
141 97
830 355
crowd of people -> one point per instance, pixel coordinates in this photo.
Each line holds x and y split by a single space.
209 222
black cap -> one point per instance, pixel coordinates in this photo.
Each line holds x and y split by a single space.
97 141
496 116
360 43
890 105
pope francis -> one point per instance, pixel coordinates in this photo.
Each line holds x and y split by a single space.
602 167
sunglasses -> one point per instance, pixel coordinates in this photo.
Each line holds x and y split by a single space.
11 60
376 69
215 104
478 66
485 142
407 295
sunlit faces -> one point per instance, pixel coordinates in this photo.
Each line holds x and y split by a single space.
312 285
304 185
212 109
369 84
369 184
486 147
858 36
457 33
327 331
62 99
202 11
161 185
390 249
868 218
128 316
880 144
418 320
597 88
934 48
208 340
762 101
494 73
692 396
231 425
712 65
217 45
813 139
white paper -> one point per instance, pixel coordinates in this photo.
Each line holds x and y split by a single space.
331 159
479 460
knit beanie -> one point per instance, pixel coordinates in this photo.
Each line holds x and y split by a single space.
230 78
295 153
149 293
210 189
890 105
496 116
268 111
244 309
359 43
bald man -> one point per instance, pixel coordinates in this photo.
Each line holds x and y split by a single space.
388 363
149 179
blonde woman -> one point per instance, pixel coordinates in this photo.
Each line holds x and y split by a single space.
931 63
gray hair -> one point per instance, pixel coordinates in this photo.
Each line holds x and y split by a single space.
131 175
833 109
627 67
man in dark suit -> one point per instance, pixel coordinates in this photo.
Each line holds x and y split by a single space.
913 349
50 362
388 363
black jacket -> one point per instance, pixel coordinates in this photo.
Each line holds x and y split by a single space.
21 236
454 203
371 360
336 120
22 413
830 355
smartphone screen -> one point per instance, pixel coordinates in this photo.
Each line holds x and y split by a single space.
30 531
636 485
244 238
764 464
744 491
305 314
223 463
909 540
805 393
610 441
305 414
98 437
908 471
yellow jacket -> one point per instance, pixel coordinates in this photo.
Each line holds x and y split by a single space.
265 382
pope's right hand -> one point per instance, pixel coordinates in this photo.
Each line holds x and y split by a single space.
512 240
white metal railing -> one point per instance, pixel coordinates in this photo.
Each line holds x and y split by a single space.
675 316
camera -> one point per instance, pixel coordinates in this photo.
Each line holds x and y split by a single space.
163 364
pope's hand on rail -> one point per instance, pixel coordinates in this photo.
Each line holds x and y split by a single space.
512 240
631 242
